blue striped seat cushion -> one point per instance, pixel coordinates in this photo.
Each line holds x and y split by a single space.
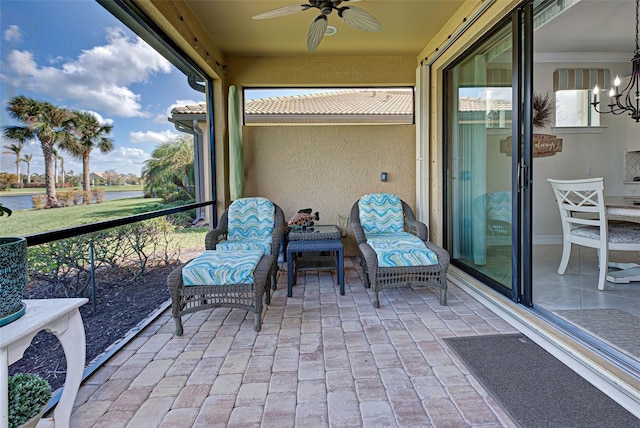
221 268
401 249
381 213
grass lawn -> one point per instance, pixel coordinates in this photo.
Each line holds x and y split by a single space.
26 222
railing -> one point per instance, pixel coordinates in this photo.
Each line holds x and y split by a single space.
70 232
37 239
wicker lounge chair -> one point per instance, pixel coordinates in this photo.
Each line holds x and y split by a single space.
191 298
378 274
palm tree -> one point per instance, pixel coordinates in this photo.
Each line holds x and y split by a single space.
61 159
49 124
15 149
90 134
55 166
171 165
20 135
27 159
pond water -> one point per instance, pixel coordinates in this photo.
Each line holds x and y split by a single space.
24 202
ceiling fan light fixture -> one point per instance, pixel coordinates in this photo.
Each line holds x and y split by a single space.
351 15
330 31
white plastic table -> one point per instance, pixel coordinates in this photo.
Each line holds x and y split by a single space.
62 318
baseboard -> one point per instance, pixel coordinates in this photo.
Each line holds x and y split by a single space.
547 240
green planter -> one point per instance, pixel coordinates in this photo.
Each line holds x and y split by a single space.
13 278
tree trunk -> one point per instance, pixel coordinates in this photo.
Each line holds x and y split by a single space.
49 179
85 173
28 173
18 170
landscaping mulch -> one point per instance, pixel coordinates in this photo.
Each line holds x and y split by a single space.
122 301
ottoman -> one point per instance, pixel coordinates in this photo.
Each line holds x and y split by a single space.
214 279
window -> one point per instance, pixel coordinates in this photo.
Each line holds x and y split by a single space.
328 106
573 108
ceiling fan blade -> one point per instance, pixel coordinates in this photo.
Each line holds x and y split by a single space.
282 11
316 32
359 18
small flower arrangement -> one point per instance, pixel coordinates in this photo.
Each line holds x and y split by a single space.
28 394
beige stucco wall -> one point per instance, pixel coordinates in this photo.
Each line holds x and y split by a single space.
328 168
323 167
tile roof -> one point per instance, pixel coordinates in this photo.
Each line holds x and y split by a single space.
353 105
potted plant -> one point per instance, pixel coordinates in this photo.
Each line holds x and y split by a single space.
13 275
29 395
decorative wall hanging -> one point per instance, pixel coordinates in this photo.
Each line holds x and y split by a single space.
543 145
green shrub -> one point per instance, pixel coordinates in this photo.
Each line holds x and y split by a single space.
28 392
39 201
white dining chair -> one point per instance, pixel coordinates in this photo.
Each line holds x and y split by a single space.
584 222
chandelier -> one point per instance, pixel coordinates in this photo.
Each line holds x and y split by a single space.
627 100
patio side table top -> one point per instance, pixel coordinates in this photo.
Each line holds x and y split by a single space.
315 233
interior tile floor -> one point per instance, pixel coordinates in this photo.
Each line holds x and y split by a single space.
617 307
321 360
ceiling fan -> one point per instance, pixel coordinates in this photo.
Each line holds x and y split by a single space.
351 15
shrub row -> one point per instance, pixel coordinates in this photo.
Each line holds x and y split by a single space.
70 197
67 263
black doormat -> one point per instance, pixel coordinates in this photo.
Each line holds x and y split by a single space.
536 388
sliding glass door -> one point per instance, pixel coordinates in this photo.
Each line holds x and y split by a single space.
485 174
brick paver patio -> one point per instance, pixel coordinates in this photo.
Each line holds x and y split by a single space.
321 359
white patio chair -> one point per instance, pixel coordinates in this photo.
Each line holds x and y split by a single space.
584 222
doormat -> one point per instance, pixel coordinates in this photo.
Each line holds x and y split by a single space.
614 326
536 388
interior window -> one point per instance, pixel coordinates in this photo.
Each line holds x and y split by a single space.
573 108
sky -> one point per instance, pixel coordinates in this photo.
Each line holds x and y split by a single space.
75 54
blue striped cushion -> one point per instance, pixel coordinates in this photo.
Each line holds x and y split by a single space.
250 225
401 249
381 213
221 267
263 245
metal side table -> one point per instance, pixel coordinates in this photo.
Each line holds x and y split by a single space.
311 240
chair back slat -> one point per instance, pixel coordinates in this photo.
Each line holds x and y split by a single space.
581 203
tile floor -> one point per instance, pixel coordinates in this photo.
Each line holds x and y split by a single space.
321 359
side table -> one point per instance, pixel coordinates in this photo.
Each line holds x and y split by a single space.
62 318
315 239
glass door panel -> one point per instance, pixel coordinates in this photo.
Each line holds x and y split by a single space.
479 153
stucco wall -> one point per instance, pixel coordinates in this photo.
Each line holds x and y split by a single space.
328 168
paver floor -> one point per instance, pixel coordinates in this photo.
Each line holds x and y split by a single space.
320 360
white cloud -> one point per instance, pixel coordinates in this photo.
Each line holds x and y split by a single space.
12 34
152 137
99 77
124 160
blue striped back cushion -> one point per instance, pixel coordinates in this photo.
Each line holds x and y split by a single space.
381 213
250 218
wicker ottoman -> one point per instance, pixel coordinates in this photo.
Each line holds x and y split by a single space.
193 298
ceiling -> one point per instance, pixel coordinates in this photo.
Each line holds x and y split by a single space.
407 27
590 26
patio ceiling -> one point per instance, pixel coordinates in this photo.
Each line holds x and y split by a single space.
407 27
